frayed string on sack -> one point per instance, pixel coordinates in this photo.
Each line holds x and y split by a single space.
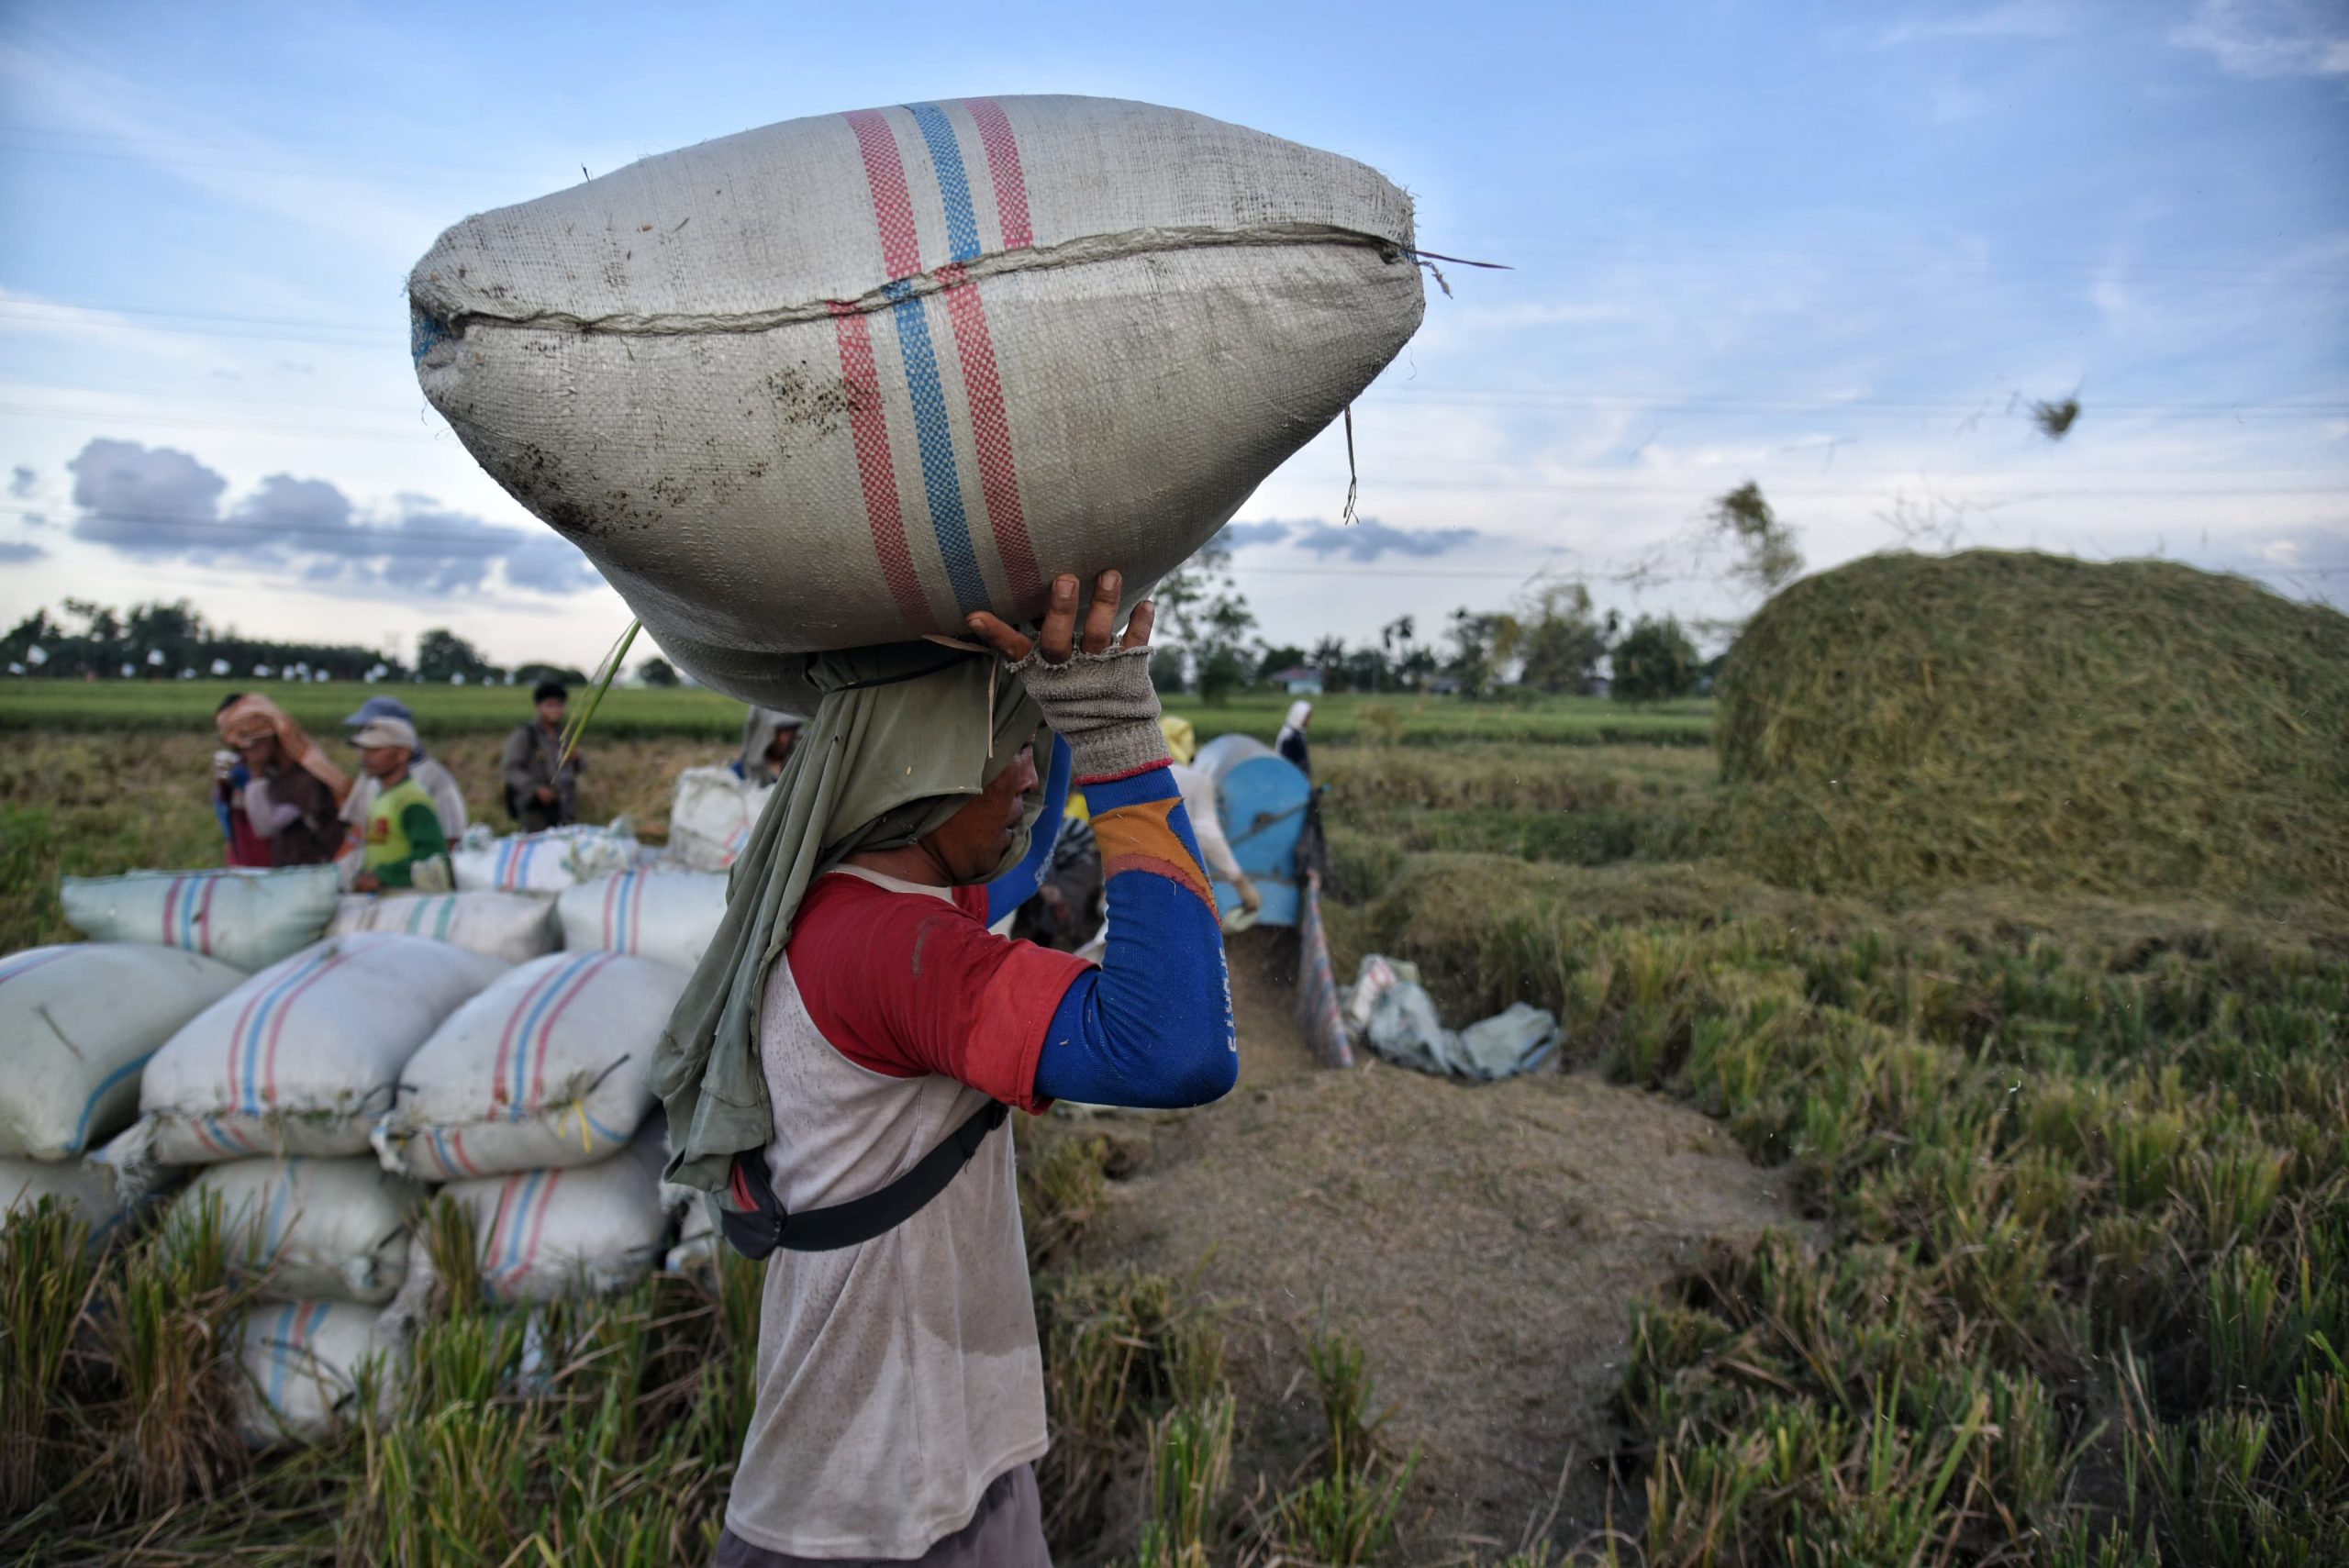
1429 259
1354 480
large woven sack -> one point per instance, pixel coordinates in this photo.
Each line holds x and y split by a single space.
843 380
668 917
301 1058
543 862
545 1068
515 926
710 817
336 1228
303 1363
245 919
544 1235
76 1025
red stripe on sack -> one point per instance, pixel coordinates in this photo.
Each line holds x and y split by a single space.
546 1029
991 434
203 916
611 891
538 1224
505 1207
41 962
893 210
1003 167
457 1146
869 424
171 906
277 1027
505 1041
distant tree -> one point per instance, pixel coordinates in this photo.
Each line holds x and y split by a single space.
1167 670
568 675
1395 641
657 671
441 653
1211 623
1328 656
1655 661
1483 644
1560 638
1220 674
1273 660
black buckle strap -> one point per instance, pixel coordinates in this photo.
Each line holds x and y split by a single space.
755 1225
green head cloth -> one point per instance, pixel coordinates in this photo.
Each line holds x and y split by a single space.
903 737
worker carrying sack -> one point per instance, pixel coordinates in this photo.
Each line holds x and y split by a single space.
756 1225
78 1023
333 1229
248 919
668 917
841 381
301 1058
545 1068
515 927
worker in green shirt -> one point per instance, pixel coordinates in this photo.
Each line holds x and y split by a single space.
405 847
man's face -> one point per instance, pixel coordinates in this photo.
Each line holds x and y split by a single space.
974 839
262 755
382 761
550 712
779 748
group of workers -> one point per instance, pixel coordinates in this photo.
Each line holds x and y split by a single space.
281 801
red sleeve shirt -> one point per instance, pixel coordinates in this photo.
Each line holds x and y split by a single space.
908 982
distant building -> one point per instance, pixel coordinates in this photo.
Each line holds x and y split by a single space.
1600 686
1298 681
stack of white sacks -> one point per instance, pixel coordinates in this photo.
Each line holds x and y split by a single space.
324 1064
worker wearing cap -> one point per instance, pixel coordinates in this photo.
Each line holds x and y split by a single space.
448 798
404 845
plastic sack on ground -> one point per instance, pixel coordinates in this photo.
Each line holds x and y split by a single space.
515 926
77 1023
908 359
711 816
331 1229
543 862
304 1361
88 1188
544 1068
544 1235
301 1058
1374 977
245 919
667 916
1404 1029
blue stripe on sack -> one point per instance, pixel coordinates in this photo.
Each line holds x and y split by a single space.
261 1022
539 1010
440 1138
281 1350
448 915
519 1220
90 1105
275 1229
942 482
954 185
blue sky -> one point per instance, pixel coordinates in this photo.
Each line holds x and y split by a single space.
1823 247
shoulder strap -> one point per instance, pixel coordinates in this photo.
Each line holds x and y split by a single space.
755 1225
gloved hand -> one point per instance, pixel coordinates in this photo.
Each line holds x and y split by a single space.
1095 696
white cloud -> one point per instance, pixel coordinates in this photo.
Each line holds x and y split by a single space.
2015 20
2266 39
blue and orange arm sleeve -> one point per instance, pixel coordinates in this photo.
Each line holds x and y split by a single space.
1152 1027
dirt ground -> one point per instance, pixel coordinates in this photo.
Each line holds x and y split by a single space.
1483 1244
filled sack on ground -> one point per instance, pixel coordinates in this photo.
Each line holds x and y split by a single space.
77 1023
515 927
544 1235
543 862
245 919
304 1361
544 1068
668 917
331 1228
841 381
86 1188
302 1058
710 817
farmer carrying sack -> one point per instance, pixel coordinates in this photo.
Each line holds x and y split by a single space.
77 1024
843 380
248 919
515 927
301 1058
545 1068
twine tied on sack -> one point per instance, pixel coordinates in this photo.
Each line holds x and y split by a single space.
1426 259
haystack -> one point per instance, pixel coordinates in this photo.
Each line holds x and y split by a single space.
1909 722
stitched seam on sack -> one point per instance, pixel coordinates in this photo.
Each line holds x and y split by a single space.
1087 251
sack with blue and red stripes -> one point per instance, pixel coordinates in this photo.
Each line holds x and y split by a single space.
306 1363
669 917
843 380
544 1068
247 920
302 1058
332 1229
544 862
571 1231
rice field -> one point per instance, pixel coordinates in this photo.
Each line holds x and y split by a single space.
2076 1292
